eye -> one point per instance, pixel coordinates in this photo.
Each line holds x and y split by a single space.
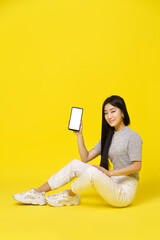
111 112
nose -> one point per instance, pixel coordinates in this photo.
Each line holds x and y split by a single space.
109 115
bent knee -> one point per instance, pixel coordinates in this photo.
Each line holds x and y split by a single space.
75 160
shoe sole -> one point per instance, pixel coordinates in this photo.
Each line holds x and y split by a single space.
55 204
28 201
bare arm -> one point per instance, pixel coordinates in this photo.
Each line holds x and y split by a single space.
135 166
81 147
86 155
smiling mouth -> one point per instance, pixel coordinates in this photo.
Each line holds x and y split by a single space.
111 121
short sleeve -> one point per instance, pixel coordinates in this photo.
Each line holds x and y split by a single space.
135 147
97 147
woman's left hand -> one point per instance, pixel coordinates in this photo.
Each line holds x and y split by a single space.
102 169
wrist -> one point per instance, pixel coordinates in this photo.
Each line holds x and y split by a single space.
79 134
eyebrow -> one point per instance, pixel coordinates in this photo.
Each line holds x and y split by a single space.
110 109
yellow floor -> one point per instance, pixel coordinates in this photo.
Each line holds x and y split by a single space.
92 219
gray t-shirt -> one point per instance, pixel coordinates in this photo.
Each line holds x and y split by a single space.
126 146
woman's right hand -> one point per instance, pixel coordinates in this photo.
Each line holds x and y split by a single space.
78 132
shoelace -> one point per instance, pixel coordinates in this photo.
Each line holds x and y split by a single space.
63 193
34 192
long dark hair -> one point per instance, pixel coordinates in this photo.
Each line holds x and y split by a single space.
108 131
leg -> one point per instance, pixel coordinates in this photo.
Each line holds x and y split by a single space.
116 194
70 192
44 188
36 196
73 169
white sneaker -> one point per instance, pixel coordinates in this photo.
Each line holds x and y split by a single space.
32 196
63 199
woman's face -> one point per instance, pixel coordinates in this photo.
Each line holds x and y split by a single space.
113 116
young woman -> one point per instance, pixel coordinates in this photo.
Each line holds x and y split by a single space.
119 143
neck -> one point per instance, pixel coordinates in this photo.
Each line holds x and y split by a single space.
118 128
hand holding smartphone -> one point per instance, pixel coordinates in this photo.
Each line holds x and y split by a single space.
75 122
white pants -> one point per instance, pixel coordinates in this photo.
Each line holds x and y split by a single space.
118 191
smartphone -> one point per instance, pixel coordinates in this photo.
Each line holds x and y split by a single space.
75 119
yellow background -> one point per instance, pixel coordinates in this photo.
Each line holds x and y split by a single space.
59 54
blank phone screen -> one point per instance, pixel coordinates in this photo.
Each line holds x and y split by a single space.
75 118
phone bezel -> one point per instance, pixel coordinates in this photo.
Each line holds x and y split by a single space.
70 119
